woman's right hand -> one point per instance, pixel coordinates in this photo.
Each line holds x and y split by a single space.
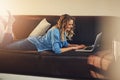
78 47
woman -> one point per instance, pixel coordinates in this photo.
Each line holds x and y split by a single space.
54 39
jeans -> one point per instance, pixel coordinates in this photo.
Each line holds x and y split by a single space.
21 45
7 43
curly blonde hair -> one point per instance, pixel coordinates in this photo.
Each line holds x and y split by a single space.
61 24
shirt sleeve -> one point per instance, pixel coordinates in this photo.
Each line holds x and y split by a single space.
56 43
66 44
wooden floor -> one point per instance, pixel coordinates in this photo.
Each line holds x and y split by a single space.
24 77
4 76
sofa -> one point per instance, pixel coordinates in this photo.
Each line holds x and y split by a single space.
68 65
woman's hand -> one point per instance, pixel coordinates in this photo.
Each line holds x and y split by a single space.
72 47
81 46
78 47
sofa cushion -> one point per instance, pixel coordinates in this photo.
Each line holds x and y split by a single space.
41 28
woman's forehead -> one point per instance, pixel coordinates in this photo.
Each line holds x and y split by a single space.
70 21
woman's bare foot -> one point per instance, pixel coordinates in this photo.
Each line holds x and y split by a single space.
11 18
7 33
10 22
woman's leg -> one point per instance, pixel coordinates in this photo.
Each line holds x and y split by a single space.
7 39
21 45
8 33
9 25
2 26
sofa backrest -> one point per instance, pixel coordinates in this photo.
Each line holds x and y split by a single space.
85 32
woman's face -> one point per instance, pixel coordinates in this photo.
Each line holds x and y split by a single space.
69 25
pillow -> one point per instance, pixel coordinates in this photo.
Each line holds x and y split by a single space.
41 28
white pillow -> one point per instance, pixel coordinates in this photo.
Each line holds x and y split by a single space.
41 28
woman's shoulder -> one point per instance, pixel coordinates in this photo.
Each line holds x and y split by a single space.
54 29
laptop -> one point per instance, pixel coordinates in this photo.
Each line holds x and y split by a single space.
92 47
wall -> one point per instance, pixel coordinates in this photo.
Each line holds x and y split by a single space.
58 7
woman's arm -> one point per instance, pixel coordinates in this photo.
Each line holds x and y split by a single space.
68 49
77 45
72 47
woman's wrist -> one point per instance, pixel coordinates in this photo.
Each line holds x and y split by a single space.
71 48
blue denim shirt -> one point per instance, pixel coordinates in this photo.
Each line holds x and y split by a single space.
50 41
